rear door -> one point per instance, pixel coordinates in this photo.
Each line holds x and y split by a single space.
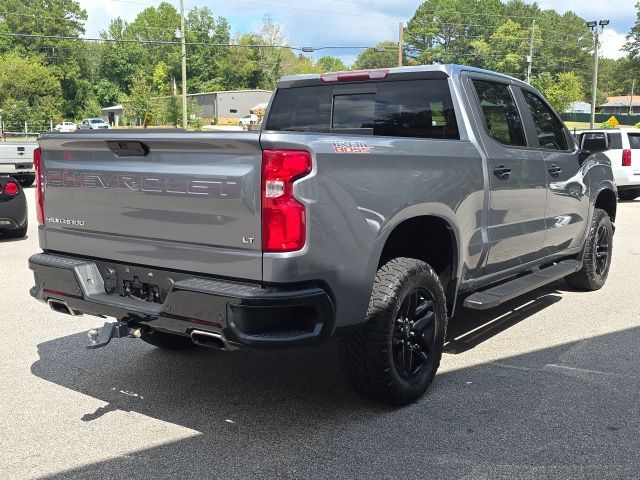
517 178
185 201
568 198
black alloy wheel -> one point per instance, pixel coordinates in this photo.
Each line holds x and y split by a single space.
414 334
596 258
602 250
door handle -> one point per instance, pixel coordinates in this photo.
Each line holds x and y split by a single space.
554 171
502 172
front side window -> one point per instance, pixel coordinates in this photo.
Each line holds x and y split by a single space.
549 130
500 113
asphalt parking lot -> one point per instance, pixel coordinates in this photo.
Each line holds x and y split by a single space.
547 387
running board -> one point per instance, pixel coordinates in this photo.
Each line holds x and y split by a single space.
504 292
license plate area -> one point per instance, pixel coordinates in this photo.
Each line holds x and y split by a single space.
147 292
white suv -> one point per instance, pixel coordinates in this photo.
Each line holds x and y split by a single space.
622 146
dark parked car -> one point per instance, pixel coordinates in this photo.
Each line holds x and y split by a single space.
13 209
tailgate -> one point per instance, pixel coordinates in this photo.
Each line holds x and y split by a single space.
185 201
16 153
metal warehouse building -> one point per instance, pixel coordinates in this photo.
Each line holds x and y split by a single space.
227 105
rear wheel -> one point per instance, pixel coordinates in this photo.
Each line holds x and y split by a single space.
394 358
167 341
596 259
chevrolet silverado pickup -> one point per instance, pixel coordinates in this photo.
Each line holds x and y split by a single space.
368 206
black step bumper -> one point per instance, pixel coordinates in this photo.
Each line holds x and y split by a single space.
246 314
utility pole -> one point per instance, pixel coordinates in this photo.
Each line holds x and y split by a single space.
530 56
401 44
633 84
185 120
594 90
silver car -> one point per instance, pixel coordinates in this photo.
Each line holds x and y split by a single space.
93 124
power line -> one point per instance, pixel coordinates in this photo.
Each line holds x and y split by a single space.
171 42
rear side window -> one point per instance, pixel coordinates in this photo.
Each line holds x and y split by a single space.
413 108
615 141
302 109
549 130
634 141
500 113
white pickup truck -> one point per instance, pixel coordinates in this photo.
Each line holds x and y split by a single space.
16 160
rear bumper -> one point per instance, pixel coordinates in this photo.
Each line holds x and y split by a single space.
246 314
20 168
626 178
13 212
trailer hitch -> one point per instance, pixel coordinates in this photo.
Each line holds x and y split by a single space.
100 337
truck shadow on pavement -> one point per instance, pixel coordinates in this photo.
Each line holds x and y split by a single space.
566 411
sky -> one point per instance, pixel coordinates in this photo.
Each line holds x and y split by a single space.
363 23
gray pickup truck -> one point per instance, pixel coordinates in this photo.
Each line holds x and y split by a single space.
367 207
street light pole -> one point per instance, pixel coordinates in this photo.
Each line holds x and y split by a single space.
594 86
184 67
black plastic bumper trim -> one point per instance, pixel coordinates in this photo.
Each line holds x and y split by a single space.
248 314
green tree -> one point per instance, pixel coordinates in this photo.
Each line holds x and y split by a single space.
330 64
441 30
506 49
34 95
206 61
140 103
108 93
371 58
633 38
562 90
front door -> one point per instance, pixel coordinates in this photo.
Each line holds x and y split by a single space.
517 180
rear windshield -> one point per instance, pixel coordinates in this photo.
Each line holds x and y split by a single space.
634 141
615 140
411 108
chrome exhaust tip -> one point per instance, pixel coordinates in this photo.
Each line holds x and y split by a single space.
210 340
60 307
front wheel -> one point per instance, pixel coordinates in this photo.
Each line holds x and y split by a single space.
395 356
596 259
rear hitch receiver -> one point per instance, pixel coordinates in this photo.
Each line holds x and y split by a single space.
101 337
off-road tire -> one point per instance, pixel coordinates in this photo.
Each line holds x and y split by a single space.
167 341
588 278
368 353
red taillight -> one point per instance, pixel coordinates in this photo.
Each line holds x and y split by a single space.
355 76
11 188
626 158
37 162
283 216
